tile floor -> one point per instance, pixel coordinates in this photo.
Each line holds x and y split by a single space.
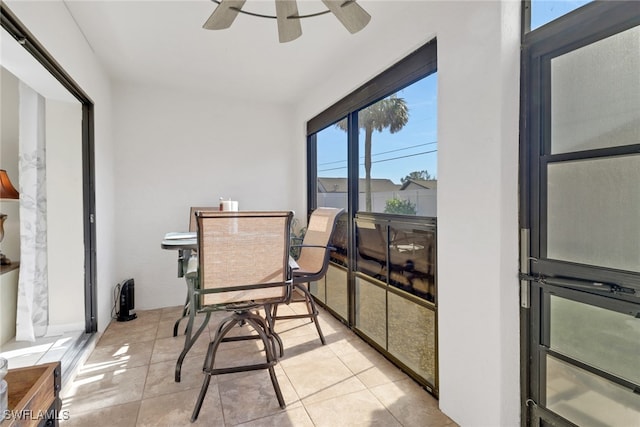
128 380
43 350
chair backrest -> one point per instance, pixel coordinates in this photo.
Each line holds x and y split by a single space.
314 254
243 256
193 226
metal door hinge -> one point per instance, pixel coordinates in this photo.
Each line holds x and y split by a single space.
524 268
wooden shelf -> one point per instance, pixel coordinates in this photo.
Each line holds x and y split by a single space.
9 267
33 395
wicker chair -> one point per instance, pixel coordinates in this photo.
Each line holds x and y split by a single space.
313 261
242 267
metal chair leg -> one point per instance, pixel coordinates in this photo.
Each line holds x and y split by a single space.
268 337
313 312
188 343
185 313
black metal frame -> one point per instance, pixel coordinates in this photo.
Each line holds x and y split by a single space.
22 35
586 25
416 66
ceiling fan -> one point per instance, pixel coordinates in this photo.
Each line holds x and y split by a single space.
349 13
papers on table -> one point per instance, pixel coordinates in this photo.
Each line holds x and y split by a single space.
180 235
180 240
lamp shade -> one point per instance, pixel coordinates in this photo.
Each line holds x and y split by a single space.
7 190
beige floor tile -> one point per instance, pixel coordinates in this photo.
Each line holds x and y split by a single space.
161 377
372 368
296 327
119 415
251 397
289 417
127 333
129 379
174 410
411 404
304 350
119 356
171 313
165 328
323 379
90 392
148 316
353 410
171 347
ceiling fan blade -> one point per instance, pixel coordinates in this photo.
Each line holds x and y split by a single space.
349 13
288 29
224 15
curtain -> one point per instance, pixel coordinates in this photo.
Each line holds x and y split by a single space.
32 315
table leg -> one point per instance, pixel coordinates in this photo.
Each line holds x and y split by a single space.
183 260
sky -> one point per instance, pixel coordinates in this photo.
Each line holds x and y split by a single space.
414 148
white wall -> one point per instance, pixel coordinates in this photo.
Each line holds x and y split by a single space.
65 237
52 25
478 75
176 149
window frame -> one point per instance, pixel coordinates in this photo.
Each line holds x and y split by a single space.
415 66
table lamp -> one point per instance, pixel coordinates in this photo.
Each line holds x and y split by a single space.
7 191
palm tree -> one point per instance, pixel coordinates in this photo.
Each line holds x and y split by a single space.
392 113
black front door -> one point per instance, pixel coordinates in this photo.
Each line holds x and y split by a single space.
581 219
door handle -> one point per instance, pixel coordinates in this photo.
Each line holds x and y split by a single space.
580 284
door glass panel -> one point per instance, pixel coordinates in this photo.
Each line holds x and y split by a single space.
412 330
595 95
589 400
588 333
371 309
593 210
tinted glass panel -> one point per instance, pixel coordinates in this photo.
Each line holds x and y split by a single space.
589 400
318 290
372 249
595 95
588 333
371 311
412 260
398 151
586 223
412 335
339 240
337 291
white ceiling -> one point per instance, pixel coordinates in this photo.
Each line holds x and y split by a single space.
161 42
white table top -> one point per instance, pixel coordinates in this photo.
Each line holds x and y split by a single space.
179 240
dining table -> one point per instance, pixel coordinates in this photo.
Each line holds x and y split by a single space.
186 245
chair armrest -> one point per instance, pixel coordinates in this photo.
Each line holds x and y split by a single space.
192 268
331 248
